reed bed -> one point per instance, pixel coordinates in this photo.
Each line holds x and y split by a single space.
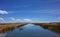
9 27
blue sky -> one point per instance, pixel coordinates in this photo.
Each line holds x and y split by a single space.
30 10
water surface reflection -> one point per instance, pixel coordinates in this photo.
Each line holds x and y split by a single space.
55 29
31 30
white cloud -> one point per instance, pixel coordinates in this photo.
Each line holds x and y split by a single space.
13 19
20 20
2 20
27 20
3 12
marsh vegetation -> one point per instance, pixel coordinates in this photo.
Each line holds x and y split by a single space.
55 27
9 27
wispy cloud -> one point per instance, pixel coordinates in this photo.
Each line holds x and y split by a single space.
13 19
2 20
27 20
19 20
58 18
51 11
49 1
22 6
3 12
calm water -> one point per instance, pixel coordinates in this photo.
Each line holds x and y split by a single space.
30 30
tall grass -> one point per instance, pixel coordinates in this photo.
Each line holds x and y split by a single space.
9 27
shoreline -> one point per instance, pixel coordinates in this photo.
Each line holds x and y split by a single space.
9 27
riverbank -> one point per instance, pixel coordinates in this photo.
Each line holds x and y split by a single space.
48 24
55 27
9 26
